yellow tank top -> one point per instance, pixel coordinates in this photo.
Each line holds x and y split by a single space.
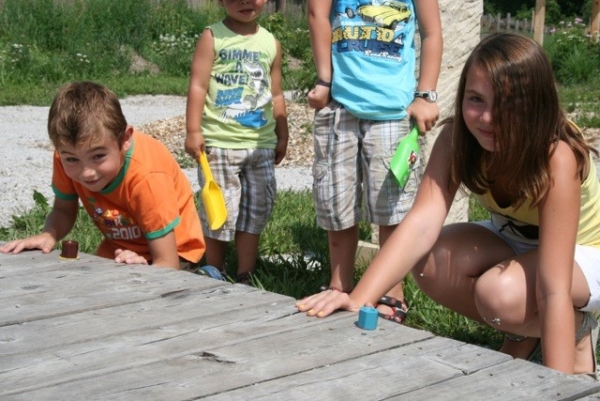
588 232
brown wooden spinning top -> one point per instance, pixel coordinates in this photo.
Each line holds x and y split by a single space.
69 249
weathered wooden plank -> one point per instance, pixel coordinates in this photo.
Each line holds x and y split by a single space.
376 376
198 362
91 329
80 288
591 397
370 377
515 380
465 357
406 372
33 262
234 303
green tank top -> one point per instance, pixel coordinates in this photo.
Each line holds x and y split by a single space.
238 112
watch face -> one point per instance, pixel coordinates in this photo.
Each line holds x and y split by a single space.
430 96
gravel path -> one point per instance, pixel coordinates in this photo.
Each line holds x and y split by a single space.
26 152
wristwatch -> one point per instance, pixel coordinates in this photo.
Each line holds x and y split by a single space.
431 96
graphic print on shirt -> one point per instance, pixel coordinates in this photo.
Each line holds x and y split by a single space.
116 224
374 27
249 88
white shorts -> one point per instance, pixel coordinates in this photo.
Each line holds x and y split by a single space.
587 257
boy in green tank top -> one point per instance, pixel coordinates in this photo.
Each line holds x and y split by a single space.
236 114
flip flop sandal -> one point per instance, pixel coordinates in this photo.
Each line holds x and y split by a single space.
399 308
244 278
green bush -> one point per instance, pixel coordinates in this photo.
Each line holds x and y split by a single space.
292 33
575 58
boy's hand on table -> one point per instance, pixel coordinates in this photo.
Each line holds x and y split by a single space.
129 257
44 241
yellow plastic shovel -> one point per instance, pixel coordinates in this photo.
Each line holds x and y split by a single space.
212 197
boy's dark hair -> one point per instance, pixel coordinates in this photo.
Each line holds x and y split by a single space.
82 110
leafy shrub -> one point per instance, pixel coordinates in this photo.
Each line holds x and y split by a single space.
292 33
575 58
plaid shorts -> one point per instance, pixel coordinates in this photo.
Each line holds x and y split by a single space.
247 179
353 156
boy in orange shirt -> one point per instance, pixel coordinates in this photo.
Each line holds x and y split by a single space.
128 182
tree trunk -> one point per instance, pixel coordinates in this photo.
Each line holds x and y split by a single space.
594 26
280 6
539 21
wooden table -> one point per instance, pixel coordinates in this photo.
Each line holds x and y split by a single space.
89 329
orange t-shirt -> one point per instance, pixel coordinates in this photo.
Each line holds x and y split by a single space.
149 198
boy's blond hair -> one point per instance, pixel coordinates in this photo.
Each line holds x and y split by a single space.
81 111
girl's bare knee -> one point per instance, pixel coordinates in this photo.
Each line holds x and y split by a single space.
498 301
429 273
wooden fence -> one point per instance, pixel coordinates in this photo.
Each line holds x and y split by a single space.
495 23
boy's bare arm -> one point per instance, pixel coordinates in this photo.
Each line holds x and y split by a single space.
164 251
58 224
320 39
61 218
198 88
424 113
279 110
320 36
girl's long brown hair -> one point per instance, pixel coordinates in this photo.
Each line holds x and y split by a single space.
527 118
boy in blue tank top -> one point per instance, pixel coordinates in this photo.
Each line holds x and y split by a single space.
366 95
